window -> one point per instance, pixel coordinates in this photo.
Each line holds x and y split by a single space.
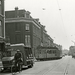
27 26
27 40
27 16
0 7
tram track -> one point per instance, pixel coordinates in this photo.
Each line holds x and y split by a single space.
58 65
71 68
66 70
48 69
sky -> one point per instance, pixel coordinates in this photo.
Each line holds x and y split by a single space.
58 17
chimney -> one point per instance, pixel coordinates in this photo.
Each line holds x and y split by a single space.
37 20
16 12
28 12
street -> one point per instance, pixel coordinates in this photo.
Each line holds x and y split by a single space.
64 66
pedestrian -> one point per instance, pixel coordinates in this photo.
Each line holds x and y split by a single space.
18 60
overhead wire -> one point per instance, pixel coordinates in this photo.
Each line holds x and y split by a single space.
62 20
61 17
71 22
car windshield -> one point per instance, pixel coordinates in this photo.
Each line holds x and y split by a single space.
9 53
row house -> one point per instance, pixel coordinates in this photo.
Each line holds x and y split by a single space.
20 27
58 46
46 39
50 41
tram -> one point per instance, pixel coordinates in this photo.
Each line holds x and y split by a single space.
46 53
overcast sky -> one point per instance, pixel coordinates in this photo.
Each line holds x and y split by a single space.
60 24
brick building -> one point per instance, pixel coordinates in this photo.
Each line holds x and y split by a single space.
20 27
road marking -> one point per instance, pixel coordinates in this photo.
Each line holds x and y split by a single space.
66 70
57 65
66 73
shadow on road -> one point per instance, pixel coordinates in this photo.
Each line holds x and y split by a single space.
50 59
9 71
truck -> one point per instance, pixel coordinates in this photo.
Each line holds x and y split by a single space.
27 56
73 55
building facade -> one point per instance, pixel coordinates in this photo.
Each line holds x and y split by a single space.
20 27
46 40
71 50
58 46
